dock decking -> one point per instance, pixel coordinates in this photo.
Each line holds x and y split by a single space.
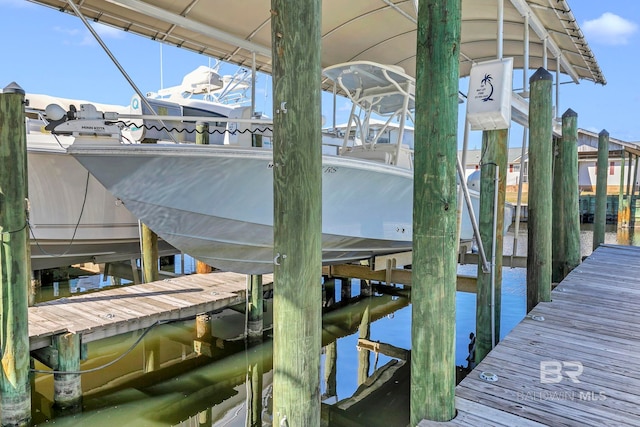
125 309
578 366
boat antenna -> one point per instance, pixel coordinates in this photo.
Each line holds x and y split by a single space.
161 71
115 61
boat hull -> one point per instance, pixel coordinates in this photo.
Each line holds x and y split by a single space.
73 218
215 203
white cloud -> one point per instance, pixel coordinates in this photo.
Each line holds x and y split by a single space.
108 32
82 37
609 29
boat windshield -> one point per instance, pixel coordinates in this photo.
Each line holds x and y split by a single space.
383 101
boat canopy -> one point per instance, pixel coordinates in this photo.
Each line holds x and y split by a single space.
382 31
382 89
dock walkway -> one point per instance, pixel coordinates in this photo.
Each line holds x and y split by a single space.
577 364
125 309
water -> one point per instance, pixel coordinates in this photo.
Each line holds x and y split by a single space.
162 381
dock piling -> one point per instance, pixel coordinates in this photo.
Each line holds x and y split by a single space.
202 343
621 210
540 189
566 211
494 149
600 214
435 245
150 257
297 206
255 307
67 386
15 274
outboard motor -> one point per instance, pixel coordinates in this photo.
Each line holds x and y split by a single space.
473 182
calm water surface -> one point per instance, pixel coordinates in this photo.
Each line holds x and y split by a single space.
162 381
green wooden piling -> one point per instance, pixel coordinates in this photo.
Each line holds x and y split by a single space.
150 257
628 190
600 214
632 208
558 227
255 307
621 222
540 189
494 149
297 178
202 133
627 194
15 274
566 211
434 212
67 386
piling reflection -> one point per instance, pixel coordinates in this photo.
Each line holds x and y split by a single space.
200 372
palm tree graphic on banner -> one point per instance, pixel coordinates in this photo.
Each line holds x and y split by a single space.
487 81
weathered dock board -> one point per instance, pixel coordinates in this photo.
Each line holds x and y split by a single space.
125 309
578 366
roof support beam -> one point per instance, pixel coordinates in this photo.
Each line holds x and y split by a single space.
171 18
525 10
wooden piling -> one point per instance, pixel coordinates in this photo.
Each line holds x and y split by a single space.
150 257
434 212
15 274
494 154
202 137
632 208
600 214
621 221
540 189
202 133
297 178
202 343
565 252
571 188
255 307
67 386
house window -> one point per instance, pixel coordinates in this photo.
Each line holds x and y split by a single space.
611 168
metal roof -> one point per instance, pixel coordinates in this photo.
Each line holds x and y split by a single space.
382 31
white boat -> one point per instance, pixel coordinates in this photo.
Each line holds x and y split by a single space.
215 202
73 218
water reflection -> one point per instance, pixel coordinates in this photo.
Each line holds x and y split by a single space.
177 377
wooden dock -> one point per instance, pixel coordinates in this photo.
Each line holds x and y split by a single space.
572 361
125 309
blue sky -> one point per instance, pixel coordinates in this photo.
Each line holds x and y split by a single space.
49 52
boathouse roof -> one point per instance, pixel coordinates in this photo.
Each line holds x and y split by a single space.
382 31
